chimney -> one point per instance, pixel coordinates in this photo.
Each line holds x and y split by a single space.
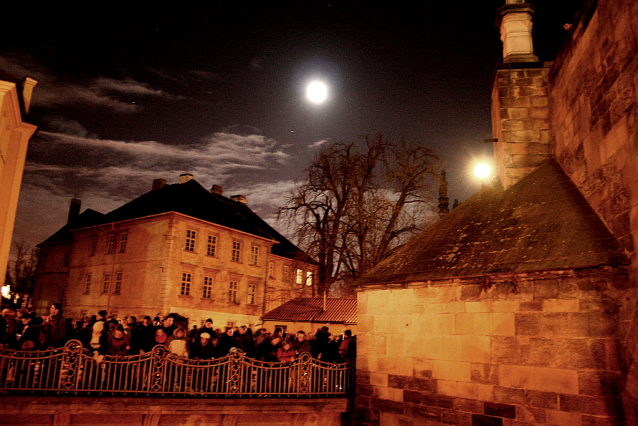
241 199
158 184
515 22
216 189
185 177
520 102
74 210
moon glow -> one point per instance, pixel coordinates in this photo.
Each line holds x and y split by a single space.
317 92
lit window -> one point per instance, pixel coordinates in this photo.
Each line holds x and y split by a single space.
208 287
308 278
190 240
110 243
123 239
106 284
87 284
212 245
186 284
286 276
254 255
92 245
232 291
252 289
118 283
299 279
236 255
271 269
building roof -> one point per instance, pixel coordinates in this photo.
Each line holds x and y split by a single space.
88 217
341 311
192 199
541 223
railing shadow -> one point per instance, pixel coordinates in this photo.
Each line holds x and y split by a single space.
71 370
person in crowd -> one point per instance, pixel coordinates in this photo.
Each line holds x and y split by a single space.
11 324
99 332
55 327
301 344
245 342
269 348
30 337
143 337
178 343
206 328
168 325
331 353
227 342
160 337
118 342
129 324
322 337
202 348
216 351
286 354
348 347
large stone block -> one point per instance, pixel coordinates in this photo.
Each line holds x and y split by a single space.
503 324
539 352
451 370
527 324
475 349
505 350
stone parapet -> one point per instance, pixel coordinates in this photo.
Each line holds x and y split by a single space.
530 348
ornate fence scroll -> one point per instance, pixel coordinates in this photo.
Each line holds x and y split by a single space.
72 370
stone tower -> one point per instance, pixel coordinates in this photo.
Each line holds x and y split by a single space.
520 113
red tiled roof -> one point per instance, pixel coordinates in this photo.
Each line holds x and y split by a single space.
343 311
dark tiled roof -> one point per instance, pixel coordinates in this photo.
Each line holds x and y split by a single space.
88 218
311 310
541 223
193 200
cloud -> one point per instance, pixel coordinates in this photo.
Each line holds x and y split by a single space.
318 143
105 174
118 95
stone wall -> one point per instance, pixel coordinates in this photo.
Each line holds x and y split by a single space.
594 105
531 349
103 411
594 113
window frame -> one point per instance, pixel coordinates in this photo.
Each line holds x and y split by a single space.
191 240
207 288
235 255
123 241
211 247
118 283
111 242
233 289
185 285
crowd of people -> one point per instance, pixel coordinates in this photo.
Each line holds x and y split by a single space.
22 330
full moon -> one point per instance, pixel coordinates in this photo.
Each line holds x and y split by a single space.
317 92
482 170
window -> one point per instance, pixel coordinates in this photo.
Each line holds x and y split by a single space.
118 283
232 292
208 287
190 240
123 239
308 278
110 243
211 248
286 277
271 269
106 284
299 279
252 289
186 284
92 245
87 284
236 255
254 255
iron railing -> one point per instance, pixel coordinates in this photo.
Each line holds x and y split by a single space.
71 370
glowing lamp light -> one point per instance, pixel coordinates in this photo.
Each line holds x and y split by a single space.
317 92
482 170
6 291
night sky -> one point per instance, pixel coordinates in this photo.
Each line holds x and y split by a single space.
132 93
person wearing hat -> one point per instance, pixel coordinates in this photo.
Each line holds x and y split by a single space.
29 339
202 348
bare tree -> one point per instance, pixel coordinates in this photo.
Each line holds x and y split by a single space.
21 272
359 203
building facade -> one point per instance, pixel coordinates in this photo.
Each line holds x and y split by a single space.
15 101
519 306
178 248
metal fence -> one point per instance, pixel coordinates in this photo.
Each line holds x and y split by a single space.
71 370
